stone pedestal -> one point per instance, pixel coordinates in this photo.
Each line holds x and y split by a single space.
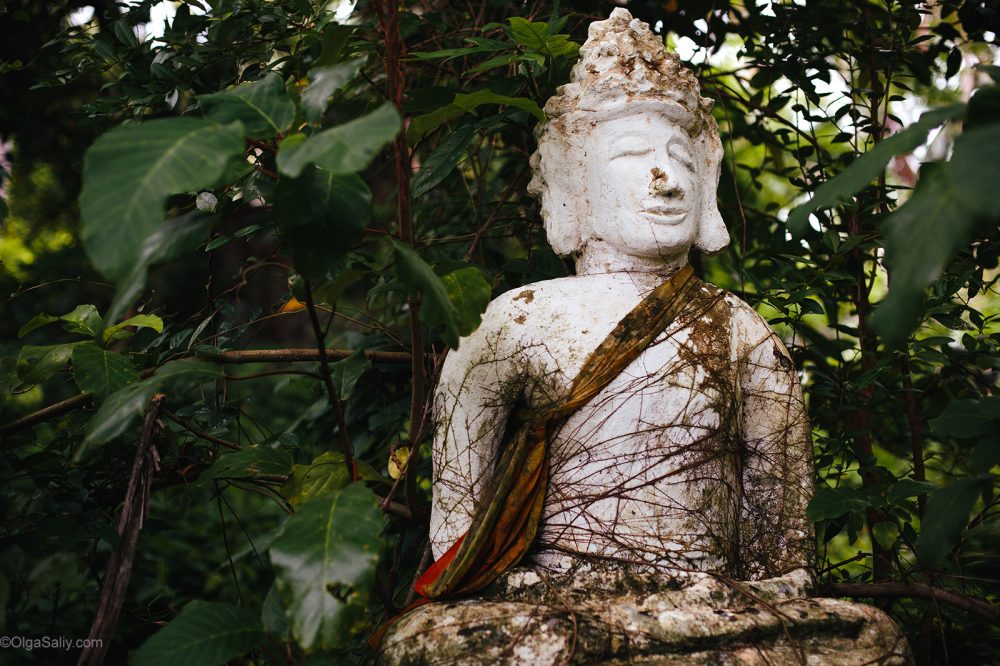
615 617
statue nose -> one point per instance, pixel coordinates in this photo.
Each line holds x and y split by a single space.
661 186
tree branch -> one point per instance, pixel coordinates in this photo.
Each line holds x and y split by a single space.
981 609
134 509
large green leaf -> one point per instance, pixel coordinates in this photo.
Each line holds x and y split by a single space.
262 106
347 148
469 293
83 320
868 167
101 372
950 202
250 462
203 634
324 216
346 372
443 160
170 240
323 82
965 419
436 308
907 488
129 172
123 407
324 562
36 364
829 503
946 517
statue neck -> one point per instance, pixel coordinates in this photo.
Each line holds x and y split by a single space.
598 258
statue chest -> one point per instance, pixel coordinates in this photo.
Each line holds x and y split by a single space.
642 469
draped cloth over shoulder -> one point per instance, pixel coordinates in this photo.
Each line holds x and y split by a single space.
507 514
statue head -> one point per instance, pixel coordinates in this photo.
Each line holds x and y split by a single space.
629 154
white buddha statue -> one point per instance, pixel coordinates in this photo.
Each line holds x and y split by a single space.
676 496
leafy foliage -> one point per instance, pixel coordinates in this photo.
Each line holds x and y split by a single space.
240 207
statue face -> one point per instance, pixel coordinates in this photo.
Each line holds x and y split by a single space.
643 186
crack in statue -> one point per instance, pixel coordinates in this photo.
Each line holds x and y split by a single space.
689 470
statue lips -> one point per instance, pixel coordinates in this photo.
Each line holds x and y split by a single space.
664 214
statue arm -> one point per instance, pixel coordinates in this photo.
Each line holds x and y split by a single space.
776 537
473 399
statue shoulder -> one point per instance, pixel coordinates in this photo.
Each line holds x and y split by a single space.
542 303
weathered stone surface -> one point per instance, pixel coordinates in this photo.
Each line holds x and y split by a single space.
616 617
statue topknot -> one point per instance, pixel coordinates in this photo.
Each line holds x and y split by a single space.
623 62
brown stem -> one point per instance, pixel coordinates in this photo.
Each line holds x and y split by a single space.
977 607
916 427
46 413
861 418
338 405
201 434
130 521
388 11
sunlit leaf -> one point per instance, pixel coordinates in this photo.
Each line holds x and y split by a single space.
83 320
325 474
119 331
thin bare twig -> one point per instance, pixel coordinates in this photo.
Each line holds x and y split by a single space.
201 434
335 402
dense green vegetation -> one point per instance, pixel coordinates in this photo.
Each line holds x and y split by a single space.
190 219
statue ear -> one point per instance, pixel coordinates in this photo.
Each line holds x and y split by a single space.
713 236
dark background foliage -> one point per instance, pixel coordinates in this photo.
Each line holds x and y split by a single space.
229 222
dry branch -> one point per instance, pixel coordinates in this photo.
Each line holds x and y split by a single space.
129 524
977 607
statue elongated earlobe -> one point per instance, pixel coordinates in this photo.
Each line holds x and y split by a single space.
713 237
